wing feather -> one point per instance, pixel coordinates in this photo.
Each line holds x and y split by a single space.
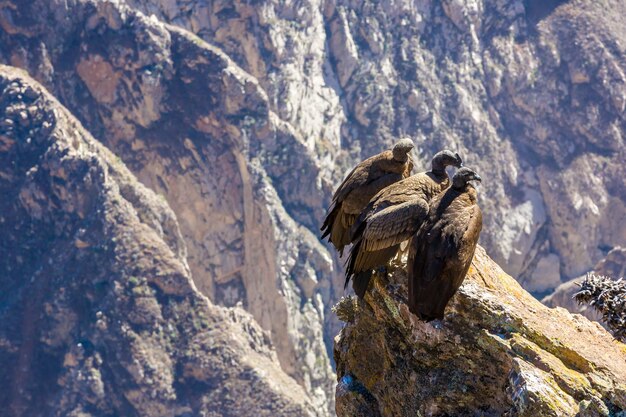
441 253
364 173
394 224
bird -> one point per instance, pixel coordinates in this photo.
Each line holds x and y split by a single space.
360 185
441 252
393 216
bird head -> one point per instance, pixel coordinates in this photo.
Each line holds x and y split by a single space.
402 148
446 158
463 176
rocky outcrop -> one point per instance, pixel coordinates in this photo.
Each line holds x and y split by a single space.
613 265
498 352
563 296
99 314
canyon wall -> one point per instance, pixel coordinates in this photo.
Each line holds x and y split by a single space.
243 117
99 313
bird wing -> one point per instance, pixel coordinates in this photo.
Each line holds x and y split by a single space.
394 224
441 254
364 173
359 198
395 194
455 231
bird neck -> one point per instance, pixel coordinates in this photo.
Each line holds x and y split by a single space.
465 188
438 165
400 157
471 192
459 184
439 170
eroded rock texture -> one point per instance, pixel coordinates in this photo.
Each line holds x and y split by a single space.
199 131
245 115
99 313
531 92
498 352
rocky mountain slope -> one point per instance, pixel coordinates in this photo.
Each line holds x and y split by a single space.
498 352
244 115
198 130
99 313
531 92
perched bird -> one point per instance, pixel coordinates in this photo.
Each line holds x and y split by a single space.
442 251
361 184
393 216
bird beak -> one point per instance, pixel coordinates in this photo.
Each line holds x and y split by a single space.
477 178
458 160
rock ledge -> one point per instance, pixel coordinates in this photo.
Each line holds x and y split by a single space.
499 352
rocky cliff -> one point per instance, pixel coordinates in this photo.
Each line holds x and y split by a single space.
532 92
244 115
498 352
99 313
198 130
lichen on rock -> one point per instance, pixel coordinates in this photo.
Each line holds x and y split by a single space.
498 352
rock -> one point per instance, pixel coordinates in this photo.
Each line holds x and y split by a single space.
100 78
546 275
613 265
244 117
497 352
198 130
563 296
100 314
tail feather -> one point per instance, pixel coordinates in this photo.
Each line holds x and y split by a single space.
358 226
366 260
356 248
340 233
361 263
337 227
329 220
361 282
426 313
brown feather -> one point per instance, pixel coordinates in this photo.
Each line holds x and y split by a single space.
391 217
441 252
359 186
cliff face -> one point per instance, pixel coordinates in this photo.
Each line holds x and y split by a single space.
99 313
243 116
531 92
498 352
198 130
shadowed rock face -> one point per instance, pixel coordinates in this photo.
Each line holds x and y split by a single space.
99 313
497 352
